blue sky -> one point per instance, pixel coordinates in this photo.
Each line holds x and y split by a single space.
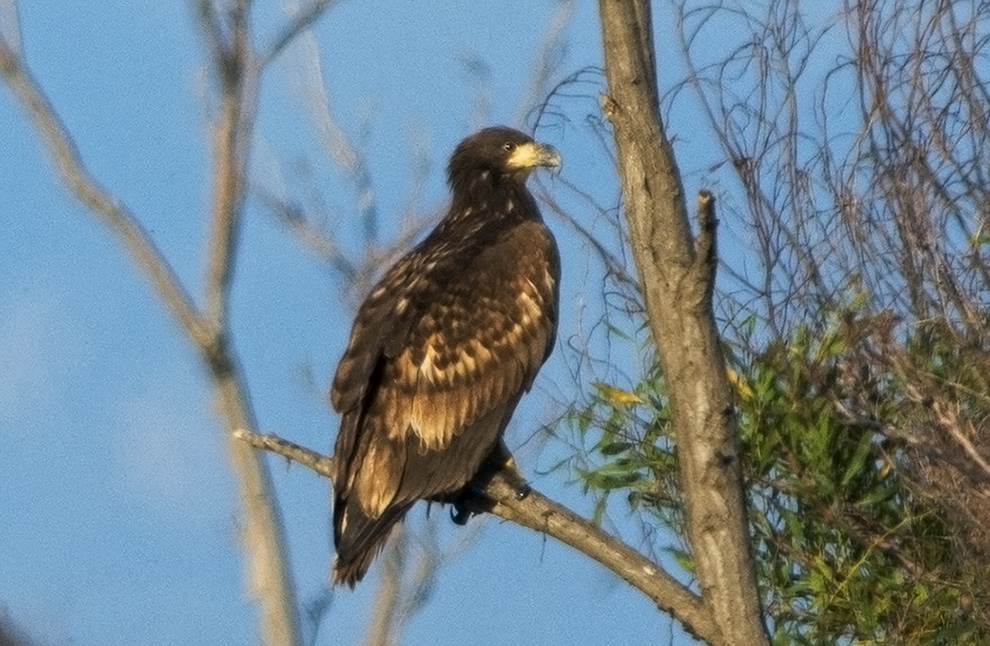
120 520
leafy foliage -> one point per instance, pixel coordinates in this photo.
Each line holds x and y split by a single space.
849 548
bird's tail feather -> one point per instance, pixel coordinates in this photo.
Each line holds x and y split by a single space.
359 538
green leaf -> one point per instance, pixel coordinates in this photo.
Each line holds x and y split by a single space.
857 463
614 448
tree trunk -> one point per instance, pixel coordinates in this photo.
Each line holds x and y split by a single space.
677 278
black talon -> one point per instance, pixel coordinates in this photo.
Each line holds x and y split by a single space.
470 500
464 505
460 515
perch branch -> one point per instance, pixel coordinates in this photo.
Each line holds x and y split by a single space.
539 513
321 464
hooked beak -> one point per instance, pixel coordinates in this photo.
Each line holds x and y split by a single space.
532 154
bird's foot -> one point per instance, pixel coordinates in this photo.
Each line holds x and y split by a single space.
460 514
469 503
473 501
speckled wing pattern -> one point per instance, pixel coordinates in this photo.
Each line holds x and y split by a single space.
439 355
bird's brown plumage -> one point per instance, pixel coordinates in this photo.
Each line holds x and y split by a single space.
443 347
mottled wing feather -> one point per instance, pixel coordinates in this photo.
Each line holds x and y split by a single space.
480 340
374 327
439 355
465 342
365 360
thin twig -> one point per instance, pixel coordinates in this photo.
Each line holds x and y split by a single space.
212 31
613 264
300 21
325 247
382 628
337 143
321 464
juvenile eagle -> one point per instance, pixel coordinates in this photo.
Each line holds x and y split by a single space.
443 348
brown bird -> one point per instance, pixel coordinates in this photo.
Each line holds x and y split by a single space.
443 348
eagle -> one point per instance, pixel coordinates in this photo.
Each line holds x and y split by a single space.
442 349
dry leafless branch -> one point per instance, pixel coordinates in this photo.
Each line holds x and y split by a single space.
228 42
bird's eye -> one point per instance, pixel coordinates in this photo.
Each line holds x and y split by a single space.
508 146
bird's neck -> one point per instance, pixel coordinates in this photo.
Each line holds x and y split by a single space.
487 197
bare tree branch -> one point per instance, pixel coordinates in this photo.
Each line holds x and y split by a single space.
389 598
262 530
237 76
312 460
213 32
10 25
263 538
263 535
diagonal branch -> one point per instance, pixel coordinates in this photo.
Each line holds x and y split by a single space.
539 513
543 515
88 191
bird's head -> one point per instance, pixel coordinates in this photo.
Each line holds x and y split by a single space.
499 152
